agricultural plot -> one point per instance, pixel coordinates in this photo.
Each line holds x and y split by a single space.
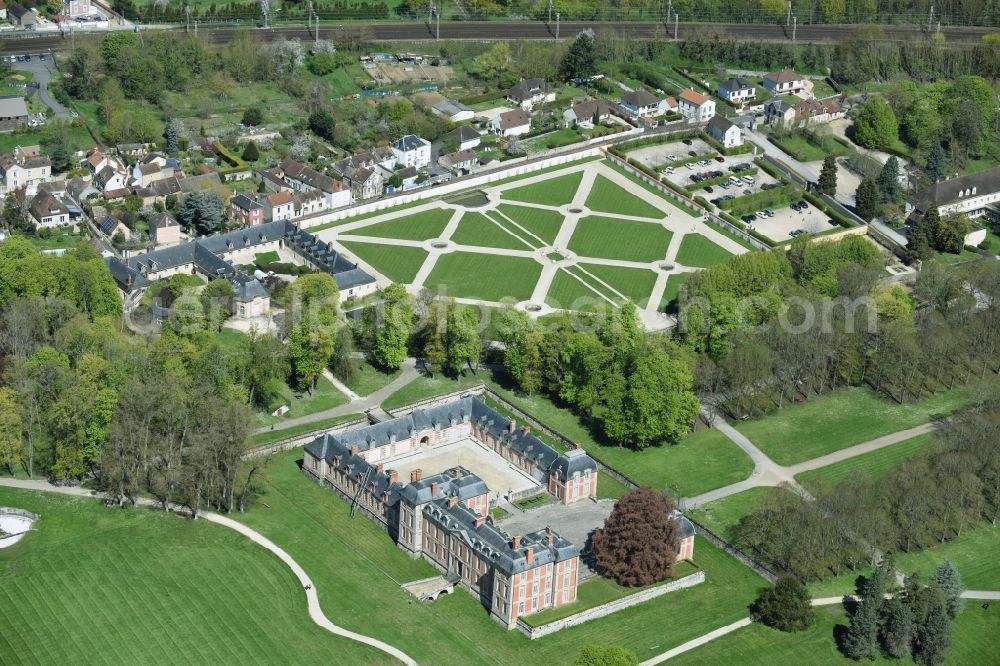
581 233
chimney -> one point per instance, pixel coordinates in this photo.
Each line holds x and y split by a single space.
526 430
354 450
434 489
517 541
457 472
393 476
379 468
452 501
529 556
480 521
548 535
414 476
512 427
419 473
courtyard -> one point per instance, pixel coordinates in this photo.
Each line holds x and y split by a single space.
558 240
501 476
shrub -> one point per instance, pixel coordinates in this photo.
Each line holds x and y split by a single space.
786 606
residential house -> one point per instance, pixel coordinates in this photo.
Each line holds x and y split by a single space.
13 112
303 178
407 178
528 93
145 173
80 189
643 104
74 8
412 151
736 90
585 113
245 211
3 10
975 195
463 138
48 211
22 17
511 123
25 167
279 206
366 173
110 180
695 106
136 150
462 160
725 132
779 112
164 229
456 112
785 82
56 188
97 160
810 111
110 227
309 203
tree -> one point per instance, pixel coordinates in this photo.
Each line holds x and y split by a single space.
580 58
217 302
10 429
933 636
861 639
323 63
202 211
250 153
392 337
786 606
322 123
897 629
492 64
866 200
951 232
924 235
253 116
876 126
639 541
172 134
888 180
599 655
827 183
462 342
936 167
950 582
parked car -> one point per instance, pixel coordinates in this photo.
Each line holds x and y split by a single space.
716 202
692 153
672 158
795 206
747 193
724 186
748 180
720 159
803 205
41 56
796 232
708 188
687 142
696 177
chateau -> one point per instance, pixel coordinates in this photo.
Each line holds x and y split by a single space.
443 517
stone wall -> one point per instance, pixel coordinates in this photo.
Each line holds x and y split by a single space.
610 607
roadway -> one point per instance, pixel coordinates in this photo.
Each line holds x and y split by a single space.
535 30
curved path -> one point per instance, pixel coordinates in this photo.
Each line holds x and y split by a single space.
315 612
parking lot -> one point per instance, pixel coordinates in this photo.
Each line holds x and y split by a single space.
682 178
655 157
785 221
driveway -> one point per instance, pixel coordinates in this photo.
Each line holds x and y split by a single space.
42 71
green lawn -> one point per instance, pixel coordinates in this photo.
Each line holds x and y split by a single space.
270 436
949 258
483 276
427 387
691 211
994 240
556 191
804 150
843 418
98 585
597 591
544 224
421 226
568 292
635 283
723 516
875 464
728 234
399 264
975 640
62 238
358 569
607 197
533 502
673 288
699 252
610 238
266 258
557 139
367 378
324 396
478 230
608 487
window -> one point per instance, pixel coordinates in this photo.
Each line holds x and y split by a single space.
520 608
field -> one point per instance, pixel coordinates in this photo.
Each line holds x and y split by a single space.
357 568
846 417
324 396
97 585
805 149
875 464
974 641
367 378
522 233
723 516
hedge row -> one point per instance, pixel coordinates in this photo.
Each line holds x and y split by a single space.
716 181
735 150
667 137
683 205
776 198
832 212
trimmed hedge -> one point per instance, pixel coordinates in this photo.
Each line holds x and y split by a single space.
751 203
830 211
717 181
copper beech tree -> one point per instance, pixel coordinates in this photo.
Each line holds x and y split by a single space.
639 542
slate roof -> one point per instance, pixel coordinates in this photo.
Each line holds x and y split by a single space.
528 88
243 202
733 84
638 98
949 191
308 175
458 157
586 110
410 142
463 134
450 108
720 123
164 220
46 205
687 529
515 118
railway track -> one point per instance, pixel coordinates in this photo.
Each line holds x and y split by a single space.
487 30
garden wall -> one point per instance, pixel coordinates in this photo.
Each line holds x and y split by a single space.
610 607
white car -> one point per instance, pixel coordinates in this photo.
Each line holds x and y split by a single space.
689 166
672 158
748 180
